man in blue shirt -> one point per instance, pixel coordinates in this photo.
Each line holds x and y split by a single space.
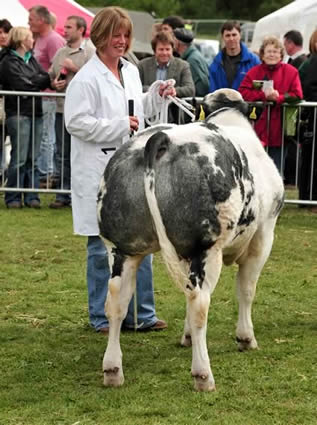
233 61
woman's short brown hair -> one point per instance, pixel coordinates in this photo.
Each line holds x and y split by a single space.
17 35
271 40
106 23
163 37
313 42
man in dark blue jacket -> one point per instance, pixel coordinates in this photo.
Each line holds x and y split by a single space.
233 62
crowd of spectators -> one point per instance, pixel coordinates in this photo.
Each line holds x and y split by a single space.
259 76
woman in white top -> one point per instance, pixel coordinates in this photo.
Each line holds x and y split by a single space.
97 117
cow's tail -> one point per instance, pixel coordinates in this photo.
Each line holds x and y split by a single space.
156 148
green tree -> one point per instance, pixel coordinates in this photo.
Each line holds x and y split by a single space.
198 9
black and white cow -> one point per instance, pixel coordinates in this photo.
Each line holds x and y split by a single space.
204 193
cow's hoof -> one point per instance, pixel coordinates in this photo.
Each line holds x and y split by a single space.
186 340
113 377
204 383
245 344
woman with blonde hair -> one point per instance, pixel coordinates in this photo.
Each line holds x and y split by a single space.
98 117
277 82
19 71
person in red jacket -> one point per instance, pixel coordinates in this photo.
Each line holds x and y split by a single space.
277 82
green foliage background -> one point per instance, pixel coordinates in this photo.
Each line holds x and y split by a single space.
193 9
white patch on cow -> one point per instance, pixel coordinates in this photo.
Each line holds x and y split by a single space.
178 272
101 191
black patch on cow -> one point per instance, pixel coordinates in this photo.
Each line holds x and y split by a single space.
187 186
197 271
230 225
123 208
210 126
279 202
221 101
246 218
190 148
117 263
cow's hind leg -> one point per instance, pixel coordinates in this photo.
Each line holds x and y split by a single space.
198 300
120 289
250 267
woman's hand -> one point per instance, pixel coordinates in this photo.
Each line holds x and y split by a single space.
272 95
59 85
134 123
167 89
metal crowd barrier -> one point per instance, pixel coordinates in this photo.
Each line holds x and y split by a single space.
5 145
295 140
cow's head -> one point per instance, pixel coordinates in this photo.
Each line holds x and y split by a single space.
224 98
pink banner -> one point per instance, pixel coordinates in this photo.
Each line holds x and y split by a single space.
62 9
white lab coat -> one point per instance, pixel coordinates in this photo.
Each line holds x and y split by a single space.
96 116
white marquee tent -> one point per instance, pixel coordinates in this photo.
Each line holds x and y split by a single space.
299 15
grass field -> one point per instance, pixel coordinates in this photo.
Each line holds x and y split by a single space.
50 369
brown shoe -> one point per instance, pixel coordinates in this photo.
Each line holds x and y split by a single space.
159 325
313 210
104 331
59 204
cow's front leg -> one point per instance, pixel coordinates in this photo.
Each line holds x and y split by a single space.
120 290
198 301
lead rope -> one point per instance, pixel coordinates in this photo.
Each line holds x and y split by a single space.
160 108
161 116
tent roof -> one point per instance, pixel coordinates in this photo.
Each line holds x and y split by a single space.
16 11
299 15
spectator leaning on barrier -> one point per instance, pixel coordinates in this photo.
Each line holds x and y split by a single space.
47 42
197 63
307 178
19 71
230 65
281 84
293 44
163 66
5 27
67 61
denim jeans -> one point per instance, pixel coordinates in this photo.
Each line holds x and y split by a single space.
62 158
23 167
97 282
46 159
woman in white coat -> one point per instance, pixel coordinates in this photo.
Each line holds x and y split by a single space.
97 117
